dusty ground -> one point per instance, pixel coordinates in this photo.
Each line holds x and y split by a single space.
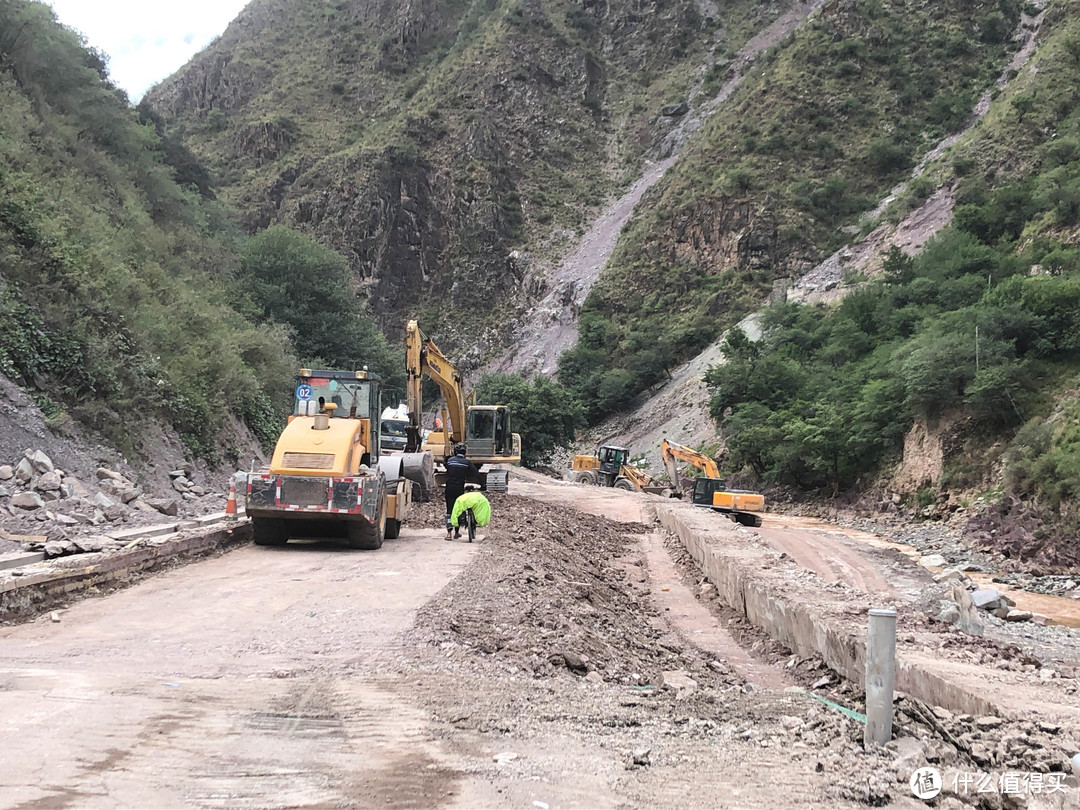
571 658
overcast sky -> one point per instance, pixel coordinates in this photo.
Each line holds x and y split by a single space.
147 40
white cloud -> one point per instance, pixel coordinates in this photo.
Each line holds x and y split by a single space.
147 40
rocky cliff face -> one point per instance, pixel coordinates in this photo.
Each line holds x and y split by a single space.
428 140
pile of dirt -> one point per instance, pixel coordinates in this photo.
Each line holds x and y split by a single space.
550 633
554 594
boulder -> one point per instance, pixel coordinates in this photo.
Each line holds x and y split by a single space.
24 471
128 495
90 544
680 681
4 492
27 500
39 461
1018 616
949 613
986 599
949 575
967 619
675 110
933 561
103 501
574 662
167 506
6 472
181 484
48 482
114 513
55 549
120 489
105 474
57 534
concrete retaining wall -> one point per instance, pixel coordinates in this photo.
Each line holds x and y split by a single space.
779 608
43 586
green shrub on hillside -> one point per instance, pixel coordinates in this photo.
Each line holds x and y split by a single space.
827 395
112 277
286 278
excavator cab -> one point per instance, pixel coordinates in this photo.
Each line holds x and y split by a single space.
487 431
705 488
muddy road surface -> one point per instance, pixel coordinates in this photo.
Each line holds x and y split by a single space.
249 680
570 658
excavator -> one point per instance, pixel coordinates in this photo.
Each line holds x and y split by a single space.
710 490
483 429
326 476
610 467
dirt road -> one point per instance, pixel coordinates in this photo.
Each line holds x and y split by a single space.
249 680
313 676
570 658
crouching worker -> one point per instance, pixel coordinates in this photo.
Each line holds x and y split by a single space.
474 502
459 470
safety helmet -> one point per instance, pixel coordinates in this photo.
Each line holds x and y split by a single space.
459 450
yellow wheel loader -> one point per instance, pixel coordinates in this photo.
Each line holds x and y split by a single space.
611 467
326 476
711 490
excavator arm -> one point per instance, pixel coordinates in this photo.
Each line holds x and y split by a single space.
639 478
423 357
670 451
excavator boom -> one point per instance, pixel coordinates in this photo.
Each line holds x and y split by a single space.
484 429
711 490
423 357
669 451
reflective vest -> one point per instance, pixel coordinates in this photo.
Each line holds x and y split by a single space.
481 509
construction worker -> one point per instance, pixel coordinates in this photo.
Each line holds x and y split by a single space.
458 471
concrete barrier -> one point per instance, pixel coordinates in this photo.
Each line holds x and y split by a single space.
33 589
742 569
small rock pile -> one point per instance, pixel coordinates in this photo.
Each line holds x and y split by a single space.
964 600
62 513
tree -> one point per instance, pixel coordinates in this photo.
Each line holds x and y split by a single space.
287 278
543 412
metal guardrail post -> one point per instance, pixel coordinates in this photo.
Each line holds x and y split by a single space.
880 676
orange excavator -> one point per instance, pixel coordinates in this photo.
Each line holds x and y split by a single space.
711 490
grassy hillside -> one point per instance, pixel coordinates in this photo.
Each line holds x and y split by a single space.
427 142
120 306
979 333
814 137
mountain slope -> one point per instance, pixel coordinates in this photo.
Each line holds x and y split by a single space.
833 117
450 150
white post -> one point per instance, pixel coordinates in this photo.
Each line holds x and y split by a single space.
880 676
